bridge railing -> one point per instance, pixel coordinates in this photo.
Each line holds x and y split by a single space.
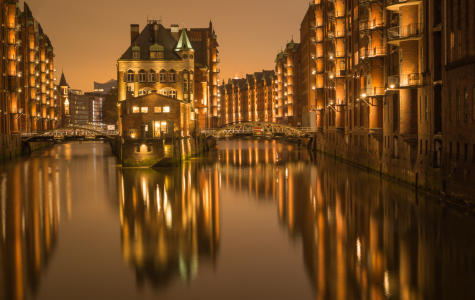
211 130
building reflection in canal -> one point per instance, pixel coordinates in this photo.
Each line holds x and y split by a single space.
29 219
169 222
363 237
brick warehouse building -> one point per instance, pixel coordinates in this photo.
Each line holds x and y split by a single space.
28 73
395 88
178 63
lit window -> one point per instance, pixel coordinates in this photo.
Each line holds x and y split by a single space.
133 132
142 92
172 94
142 75
144 110
158 109
163 92
135 109
172 76
130 76
163 76
151 76
166 109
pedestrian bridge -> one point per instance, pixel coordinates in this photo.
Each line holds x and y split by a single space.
72 133
258 130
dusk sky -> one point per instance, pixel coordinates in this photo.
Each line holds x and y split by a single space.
90 35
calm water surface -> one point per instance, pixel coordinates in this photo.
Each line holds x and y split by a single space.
249 220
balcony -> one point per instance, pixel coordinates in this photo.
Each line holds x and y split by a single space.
409 32
373 92
396 4
368 25
372 53
412 80
335 14
317 70
317 55
315 40
335 34
317 24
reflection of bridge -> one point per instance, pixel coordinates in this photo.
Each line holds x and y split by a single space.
73 133
259 129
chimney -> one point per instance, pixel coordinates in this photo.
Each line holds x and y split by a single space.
175 29
134 32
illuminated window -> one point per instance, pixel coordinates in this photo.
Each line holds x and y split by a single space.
172 94
151 76
163 92
142 75
132 133
135 109
157 109
130 76
142 92
166 109
172 76
144 110
163 76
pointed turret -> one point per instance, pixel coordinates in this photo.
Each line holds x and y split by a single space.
63 81
183 43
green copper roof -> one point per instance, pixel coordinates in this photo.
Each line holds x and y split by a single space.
157 48
292 44
29 23
183 42
40 38
264 77
135 48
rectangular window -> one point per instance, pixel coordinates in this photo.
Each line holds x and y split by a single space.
151 76
158 109
465 104
135 109
427 146
427 108
144 110
450 150
450 105
163 76
153 54
457 105
166 109
420 148
465 152
136 54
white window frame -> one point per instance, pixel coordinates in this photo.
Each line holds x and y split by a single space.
151 76
163 76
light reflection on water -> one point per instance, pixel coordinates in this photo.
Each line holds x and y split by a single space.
248 220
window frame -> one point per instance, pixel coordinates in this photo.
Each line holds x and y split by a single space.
151 75
142 76
163 76
130 76
144 110
172 76
166 109
135 109
157 109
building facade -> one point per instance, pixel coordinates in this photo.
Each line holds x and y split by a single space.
28 102
167 60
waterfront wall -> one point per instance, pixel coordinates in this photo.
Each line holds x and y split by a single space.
11 146
416 169
167 152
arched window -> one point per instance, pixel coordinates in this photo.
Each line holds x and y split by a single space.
142 75
142 92
163 76
151 76
172 94
130 76
172 76
163 92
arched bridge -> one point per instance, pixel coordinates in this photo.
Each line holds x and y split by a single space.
72 133
258 129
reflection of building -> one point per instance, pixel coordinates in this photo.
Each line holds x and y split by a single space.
362 237
29 221
169 222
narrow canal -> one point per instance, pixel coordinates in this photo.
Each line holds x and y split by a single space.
248 220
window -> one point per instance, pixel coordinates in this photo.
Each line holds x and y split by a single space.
458 151
166 109
151 76
144 110
185 83
450 150
136 54
457 105
133 132
465 104
159 128
465 152
163 92
427 108
142 76
158 109
172 94
135 109
172 76
142 92
163 76
450 105
130 76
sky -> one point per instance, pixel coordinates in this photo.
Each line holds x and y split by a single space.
89 36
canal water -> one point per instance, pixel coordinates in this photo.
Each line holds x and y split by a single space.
248 220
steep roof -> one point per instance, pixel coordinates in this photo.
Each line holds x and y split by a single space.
63 82
183 42
147 38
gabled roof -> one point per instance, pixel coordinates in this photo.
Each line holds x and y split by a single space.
63 82
147 38
183 42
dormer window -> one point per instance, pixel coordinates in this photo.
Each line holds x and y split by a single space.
156 51
136 51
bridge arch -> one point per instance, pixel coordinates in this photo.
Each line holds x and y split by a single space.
71 128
